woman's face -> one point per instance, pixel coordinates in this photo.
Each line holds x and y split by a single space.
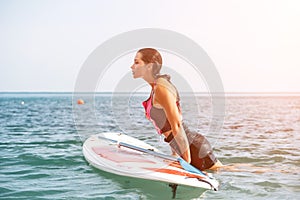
138 68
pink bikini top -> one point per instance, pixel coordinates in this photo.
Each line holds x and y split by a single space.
157 115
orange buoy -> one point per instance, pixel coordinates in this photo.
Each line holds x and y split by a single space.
80 102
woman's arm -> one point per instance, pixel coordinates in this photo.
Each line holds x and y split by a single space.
165 95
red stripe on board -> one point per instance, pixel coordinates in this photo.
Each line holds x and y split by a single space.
175 172
176 164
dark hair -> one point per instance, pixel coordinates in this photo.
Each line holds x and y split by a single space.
150 55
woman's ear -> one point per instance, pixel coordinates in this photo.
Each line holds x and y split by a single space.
150 66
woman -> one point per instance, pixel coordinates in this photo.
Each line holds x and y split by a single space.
163 109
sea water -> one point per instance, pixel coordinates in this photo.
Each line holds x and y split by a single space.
41 137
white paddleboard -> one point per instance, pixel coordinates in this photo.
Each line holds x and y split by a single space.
102 152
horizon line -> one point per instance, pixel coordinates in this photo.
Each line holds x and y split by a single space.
236 92
144 93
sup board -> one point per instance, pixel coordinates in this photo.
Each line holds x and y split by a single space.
123 155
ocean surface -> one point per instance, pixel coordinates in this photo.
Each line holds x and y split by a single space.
41 137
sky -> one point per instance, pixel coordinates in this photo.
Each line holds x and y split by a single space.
254 44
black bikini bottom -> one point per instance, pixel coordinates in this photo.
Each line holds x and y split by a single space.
202 156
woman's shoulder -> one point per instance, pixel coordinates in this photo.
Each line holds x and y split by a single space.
164 81
164 84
